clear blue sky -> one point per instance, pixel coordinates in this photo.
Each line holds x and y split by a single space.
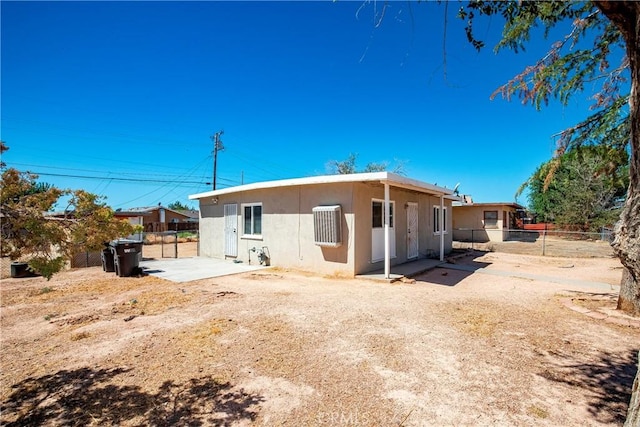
133 91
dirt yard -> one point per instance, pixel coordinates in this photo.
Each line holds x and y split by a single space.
551 246
289 348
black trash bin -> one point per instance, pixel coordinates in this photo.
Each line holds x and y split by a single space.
125 256
107 260
20 269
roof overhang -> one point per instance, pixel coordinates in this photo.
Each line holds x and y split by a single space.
394 180
487 205
130 214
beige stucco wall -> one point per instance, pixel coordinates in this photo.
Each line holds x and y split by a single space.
428 241
466 218
287 226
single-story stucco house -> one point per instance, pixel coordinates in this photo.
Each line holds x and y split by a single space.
485 222
333 224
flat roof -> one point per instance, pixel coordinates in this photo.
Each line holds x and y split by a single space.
130 213
390 178
470 205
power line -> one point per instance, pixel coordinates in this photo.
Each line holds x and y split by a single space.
94 170
157 181
229 182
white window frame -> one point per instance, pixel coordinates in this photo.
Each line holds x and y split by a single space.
490 224
436 220
251 234
392 212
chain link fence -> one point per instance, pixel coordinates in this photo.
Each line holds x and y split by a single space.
160 245
170 244
166 244
557 243
86 259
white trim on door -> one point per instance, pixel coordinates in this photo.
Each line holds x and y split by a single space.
231 230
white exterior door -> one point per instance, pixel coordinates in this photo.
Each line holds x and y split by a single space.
231 230
377 231
412 230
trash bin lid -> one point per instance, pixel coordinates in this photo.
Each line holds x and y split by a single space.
125 242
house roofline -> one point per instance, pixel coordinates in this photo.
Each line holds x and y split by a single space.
131 213
511 204
392 179
146 210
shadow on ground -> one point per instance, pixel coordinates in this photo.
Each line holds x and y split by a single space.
606 382
456 270
86 396
443 276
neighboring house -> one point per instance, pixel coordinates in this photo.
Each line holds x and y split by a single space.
333 224
134 218
160 218
193 216
485 222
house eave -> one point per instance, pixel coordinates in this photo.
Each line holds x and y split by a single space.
490 204
392 179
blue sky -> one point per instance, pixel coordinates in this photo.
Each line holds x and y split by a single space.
129 94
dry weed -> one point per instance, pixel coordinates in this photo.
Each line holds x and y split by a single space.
79 336
538 412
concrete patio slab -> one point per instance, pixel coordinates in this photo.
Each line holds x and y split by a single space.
400 271
196 268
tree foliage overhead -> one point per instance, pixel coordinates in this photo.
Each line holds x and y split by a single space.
348 166
47 242
591 54
578 196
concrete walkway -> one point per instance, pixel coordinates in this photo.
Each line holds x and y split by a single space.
562 281
610 316
197 268
414 268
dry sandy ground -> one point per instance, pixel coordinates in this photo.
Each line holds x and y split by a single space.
288 348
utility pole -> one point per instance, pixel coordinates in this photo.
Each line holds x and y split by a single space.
217 146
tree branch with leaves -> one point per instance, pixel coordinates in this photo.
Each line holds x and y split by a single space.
47 242
348 166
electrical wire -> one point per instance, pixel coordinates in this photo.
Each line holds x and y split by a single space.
94 170
139 180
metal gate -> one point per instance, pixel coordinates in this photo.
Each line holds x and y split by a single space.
160 245
169 244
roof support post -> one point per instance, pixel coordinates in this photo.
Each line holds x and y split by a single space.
387 249
441 220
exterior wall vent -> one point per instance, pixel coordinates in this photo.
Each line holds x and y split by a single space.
327 226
